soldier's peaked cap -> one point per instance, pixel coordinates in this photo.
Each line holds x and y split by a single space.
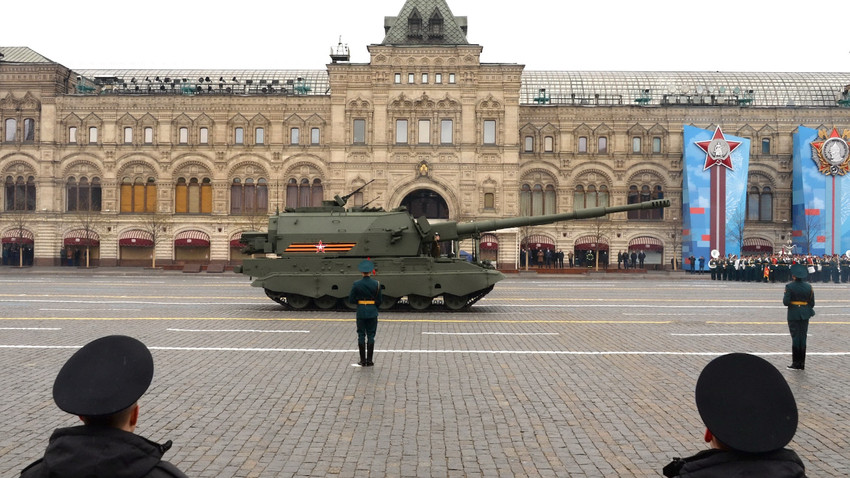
366 266
800 271
746 403
104 377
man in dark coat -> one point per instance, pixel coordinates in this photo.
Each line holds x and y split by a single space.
750 416
102 383
800 300
366 294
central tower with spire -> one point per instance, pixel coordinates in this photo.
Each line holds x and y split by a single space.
427 120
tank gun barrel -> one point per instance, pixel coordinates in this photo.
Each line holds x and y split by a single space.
469 229
342 201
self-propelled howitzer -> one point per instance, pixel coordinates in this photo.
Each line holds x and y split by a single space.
312 253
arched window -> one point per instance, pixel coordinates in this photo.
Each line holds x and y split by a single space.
760 204
11 129
590 196
435 25
20 193
548 144
84 195
489 200
303 193
138 195
29 129
193 196
414 25
766 205
645 192
537 199
249 196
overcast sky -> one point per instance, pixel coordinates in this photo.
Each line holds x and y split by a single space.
671 35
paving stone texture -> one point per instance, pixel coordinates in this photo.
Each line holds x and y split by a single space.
547 376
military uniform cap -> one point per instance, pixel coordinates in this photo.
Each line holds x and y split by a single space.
104 377
366 266
800 271
746 403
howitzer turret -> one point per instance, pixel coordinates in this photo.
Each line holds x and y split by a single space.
318 249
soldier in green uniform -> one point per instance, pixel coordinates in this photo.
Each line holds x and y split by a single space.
800 300
366 294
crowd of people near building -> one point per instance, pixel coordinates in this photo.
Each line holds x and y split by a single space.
545 258
772 267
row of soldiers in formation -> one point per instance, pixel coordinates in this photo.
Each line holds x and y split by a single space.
777 268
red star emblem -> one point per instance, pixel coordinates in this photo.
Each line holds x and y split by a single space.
830 162
718 150
320 247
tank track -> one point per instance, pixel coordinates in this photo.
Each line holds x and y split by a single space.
437 304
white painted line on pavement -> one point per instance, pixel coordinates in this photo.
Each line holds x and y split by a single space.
205 302
87 310
725 335
417 351
490 333
243 330
31 328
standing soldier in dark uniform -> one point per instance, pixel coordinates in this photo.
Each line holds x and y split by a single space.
800 300
102 384
844 265
366 294
826 269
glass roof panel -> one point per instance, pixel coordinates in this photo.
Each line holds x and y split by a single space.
701 88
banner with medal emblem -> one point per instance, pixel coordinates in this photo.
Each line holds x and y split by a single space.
714 192
820 211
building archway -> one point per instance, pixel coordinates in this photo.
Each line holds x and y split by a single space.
537 247
425 202
489 247
586 248
192 247
236 246
652 249
135 248
81 248
756 246
18 247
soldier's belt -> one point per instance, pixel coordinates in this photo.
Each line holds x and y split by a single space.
372 302
798 302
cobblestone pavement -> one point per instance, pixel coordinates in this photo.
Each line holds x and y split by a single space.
546 376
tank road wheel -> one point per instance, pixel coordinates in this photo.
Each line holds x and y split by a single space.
454 302
387 302
275 296
418 302
348 305
298 301
325 302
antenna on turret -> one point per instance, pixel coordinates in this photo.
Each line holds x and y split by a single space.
341 53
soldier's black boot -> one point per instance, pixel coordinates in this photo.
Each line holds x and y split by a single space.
370 349
362 347
795 359
802 360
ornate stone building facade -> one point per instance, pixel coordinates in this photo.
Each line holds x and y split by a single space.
122 164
